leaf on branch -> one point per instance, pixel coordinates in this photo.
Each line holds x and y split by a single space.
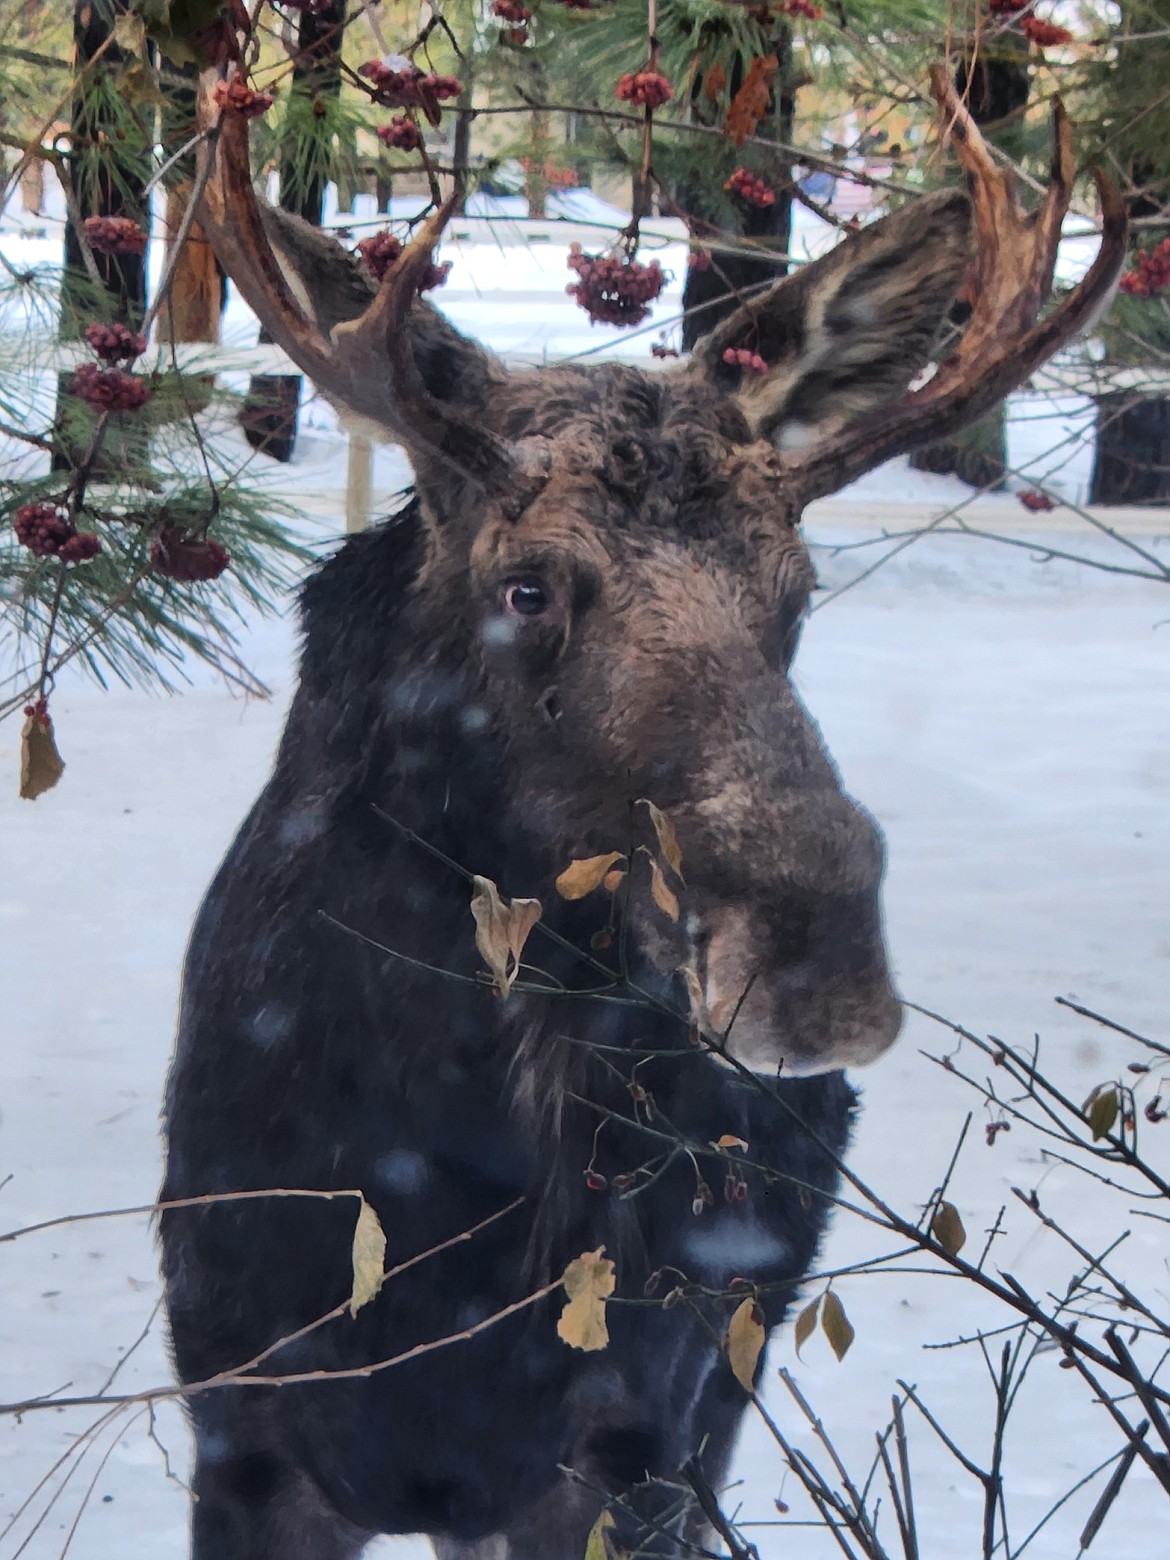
41 766
806 1324
729 1140
753 99
582 876
597 1546
1101 1110
667 838
660 890
501 930
369 1258
744 1341
947 1228
836 1325
589 1281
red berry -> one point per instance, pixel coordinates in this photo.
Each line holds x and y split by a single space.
1036 501
613 290
645 88
750 189
114 343
379 253
595 1181
1045 35
511 11
109 389
80 548
240 98
401 133
1150 273
741 357
115 236
42 528
180 556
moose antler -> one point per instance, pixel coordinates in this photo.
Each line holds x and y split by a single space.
1005 339
367 365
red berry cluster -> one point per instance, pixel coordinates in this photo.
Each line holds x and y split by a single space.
109 389
381 252
511 11
180 556
741 357
402 134
613 290
115 236
47 533
751 189
1150 273
240 98
1036 501
115 343
409 87
645 89
1045 35
802 8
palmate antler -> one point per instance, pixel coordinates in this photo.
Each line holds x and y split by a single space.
366 365
1005 339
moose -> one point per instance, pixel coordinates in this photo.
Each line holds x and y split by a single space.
590 604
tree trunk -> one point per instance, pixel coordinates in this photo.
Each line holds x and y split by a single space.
269 415
107 171
1132 460
710 294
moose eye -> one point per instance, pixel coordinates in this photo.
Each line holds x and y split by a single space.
526 597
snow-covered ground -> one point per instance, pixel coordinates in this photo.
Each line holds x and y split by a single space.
1007 721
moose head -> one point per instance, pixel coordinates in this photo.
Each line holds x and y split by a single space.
622 551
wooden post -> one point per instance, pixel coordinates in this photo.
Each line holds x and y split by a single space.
358 483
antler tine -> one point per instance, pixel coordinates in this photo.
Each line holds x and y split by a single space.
1004 339
368 367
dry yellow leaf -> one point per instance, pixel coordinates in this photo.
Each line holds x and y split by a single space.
41 766
667 838
745 1340
947 1228
806 1323
836 1325
582 876
589 1281
501 930
729 1140
1101 1110
661 892
369 1258
596 1547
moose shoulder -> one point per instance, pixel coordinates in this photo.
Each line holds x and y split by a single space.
592 601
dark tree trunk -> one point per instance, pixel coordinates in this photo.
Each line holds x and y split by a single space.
269 415
994 82
709 295
107 171
1132 460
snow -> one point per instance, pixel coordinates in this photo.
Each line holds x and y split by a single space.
1006 721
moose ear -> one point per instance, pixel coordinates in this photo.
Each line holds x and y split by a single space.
847 333
333 287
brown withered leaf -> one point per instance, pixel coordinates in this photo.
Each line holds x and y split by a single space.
667 838
729 1140
947 1228
714 82
585 874
753 99
41 766
744 1341
589 1281
661 892
1101 1110
369 1258
596 1547
806 1324
835 1325
501 930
